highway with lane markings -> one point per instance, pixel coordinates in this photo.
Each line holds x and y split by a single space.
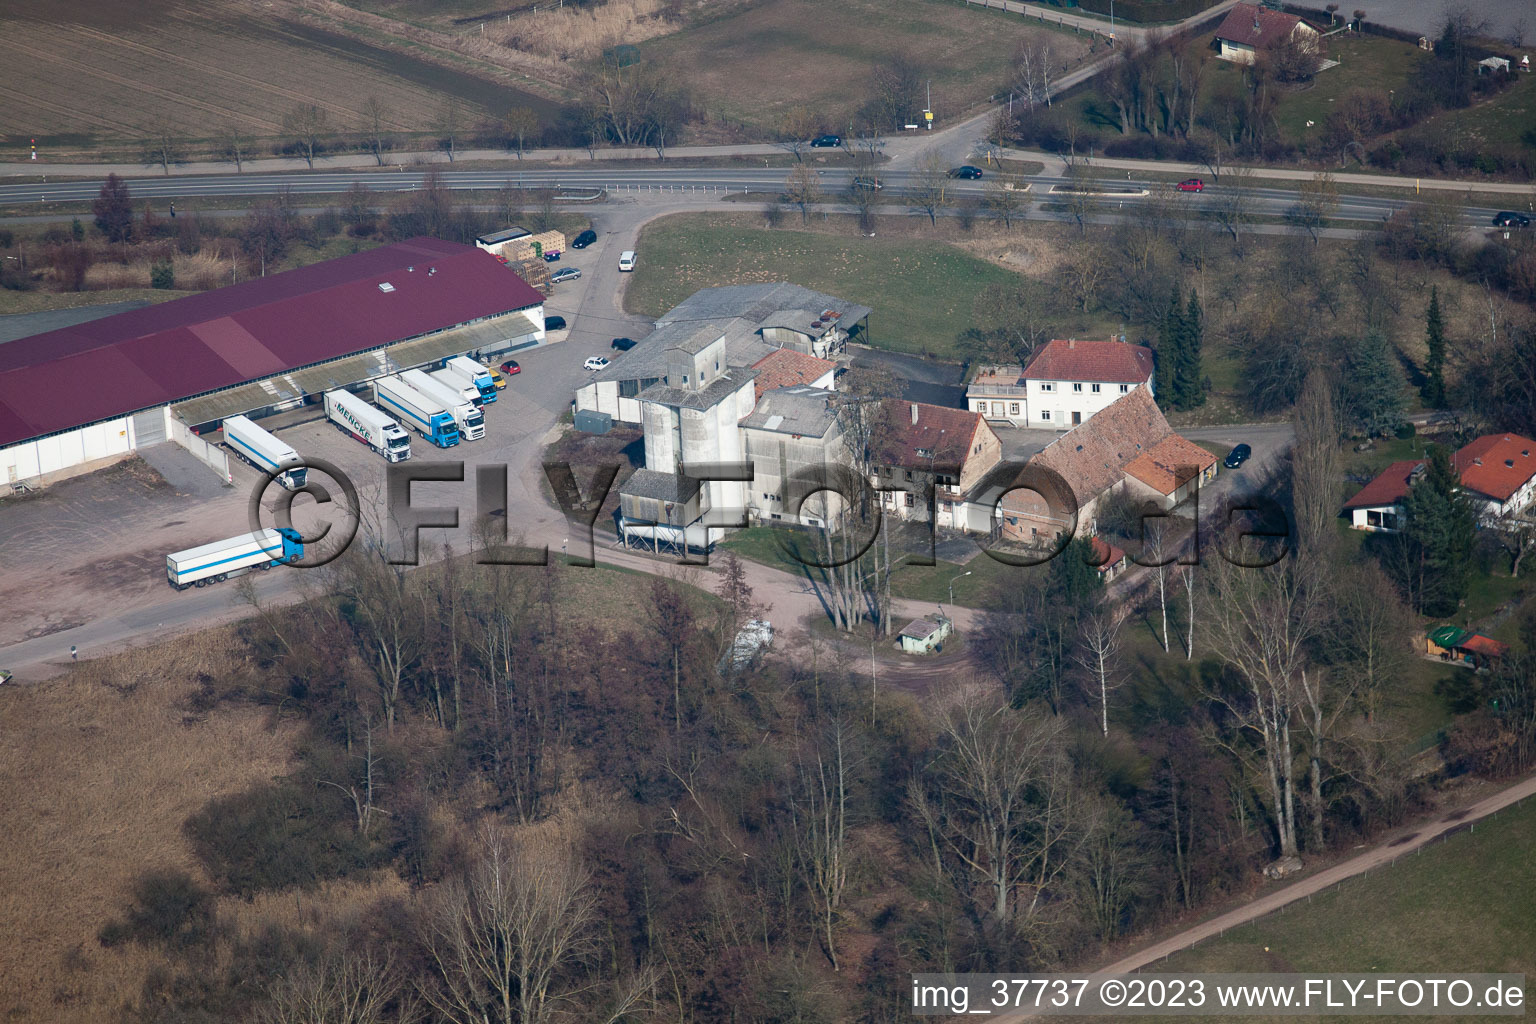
576 183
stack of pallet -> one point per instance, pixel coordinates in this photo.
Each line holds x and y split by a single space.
538 245
535 271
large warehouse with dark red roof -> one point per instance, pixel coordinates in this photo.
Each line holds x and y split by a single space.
105 387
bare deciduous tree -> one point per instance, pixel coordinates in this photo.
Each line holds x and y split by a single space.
930 189
1004 202
375 128
308 125
350 986
998 805
234 143
162 144
502 939
795 129
821 820
1261 624
1098 654
1316 200
520 124
803 189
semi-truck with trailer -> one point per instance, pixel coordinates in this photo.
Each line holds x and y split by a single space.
476 374
471 421
236 556
265 452
377 430
453 382
431 418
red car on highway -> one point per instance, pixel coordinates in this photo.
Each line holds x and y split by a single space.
1191 185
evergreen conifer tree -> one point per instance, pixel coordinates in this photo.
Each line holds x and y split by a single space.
1439 532
1434 364
1170 354
1189 379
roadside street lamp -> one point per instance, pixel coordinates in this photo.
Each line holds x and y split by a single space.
952 589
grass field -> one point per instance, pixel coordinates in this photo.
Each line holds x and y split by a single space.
921 291
1465 904
755 63
96 72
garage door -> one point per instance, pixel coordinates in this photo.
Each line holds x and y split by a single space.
148 427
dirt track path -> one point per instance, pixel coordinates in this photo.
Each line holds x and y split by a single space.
1380 856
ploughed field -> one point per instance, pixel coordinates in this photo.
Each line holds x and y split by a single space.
94 71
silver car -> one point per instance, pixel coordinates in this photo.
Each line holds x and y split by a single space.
565 274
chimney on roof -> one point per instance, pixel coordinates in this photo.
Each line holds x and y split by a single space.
1477 461
1071 343
914 413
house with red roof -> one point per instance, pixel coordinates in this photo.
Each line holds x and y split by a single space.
1130 447
1499 472
1067 382
917 445
1249 30
1378 506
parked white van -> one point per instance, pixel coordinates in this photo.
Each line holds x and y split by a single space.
627 259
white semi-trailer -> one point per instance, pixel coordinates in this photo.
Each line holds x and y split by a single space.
378 431
453 382
264 451
471 421
475 374
216 562
426 414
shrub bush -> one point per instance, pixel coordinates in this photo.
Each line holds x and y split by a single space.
1405 430
169 909
162 275
277 836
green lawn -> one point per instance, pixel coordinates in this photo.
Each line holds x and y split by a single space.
1465 904
1505 119
921 291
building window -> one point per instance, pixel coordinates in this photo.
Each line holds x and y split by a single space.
629 388
685 378
1045 414
1047 385
1095 389
911 499
1077 388
1125 388
1013 408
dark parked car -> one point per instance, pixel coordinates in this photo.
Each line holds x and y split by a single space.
868 184
1510 219
510 367
1191 185
623 344
967 171
827 141
554 323
584 239
1237 456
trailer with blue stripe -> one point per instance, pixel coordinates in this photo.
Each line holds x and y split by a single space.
264 451
428 416
222 559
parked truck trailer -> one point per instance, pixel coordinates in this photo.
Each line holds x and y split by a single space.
236 556
265 452
377 430
471 421
475 374
428 416
451 381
